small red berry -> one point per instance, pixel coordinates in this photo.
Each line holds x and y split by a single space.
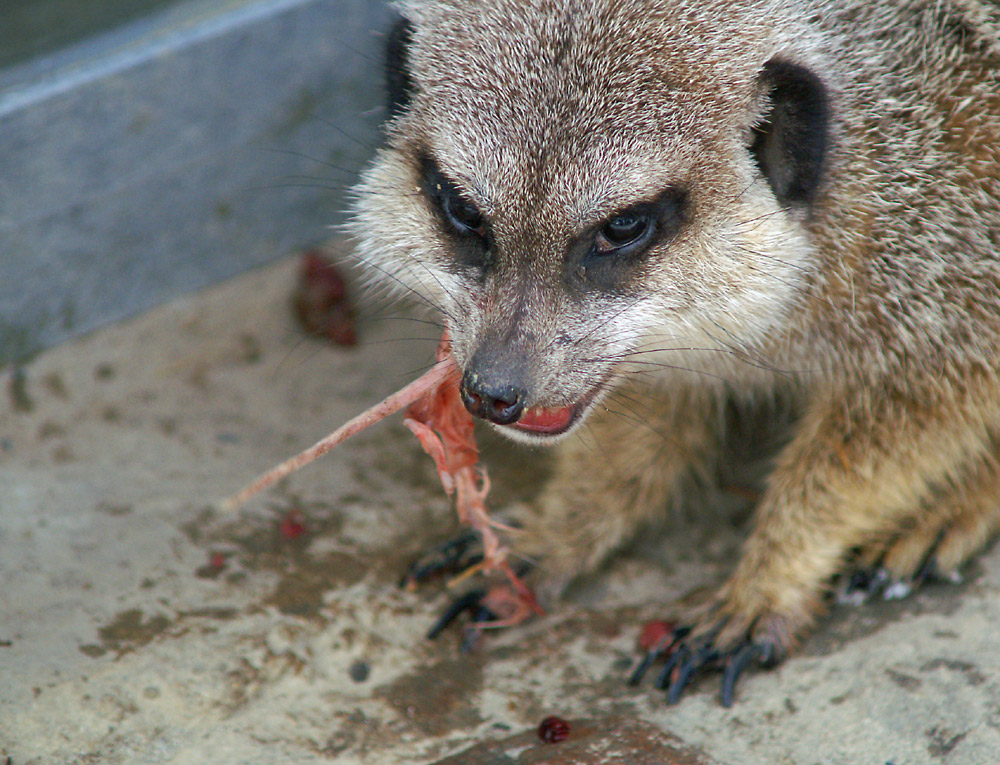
214 567
291 526
655 633
553 730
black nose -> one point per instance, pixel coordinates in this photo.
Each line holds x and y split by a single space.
500 404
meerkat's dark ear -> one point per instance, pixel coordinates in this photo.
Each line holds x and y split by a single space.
397 69
790 142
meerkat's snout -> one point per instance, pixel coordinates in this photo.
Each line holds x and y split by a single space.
500 403
505 406
496 386
497 378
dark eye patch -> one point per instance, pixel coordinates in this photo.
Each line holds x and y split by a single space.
460 219
606 256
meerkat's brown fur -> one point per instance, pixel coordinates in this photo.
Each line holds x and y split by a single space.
870 297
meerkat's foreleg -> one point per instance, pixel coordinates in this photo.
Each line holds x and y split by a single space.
859 469
636 455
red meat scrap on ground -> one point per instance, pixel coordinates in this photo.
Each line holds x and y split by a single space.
320 300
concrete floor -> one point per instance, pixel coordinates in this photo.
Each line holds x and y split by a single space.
137 625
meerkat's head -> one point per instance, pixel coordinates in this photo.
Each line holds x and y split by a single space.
578 184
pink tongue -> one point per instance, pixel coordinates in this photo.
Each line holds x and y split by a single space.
540 420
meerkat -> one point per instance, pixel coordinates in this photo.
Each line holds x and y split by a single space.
657 207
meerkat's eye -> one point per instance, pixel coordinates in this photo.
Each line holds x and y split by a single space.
463 216
636 228
458 215
626 232
605 256
624 229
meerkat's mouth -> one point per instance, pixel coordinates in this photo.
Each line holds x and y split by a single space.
545 420
543 423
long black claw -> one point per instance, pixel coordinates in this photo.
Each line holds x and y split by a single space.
475 630
680 633
454 555
678 656
860 579
869 582
466 602
667 646
688 663
929 571
433 568
862 585
682 677
647 661
737 663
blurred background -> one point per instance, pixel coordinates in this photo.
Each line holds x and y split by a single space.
153 147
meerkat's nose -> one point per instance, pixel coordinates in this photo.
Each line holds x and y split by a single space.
500 404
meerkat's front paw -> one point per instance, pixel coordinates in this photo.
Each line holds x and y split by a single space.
501 602
451 558
723 635
499 597
932 551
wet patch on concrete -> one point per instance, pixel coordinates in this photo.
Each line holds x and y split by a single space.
969 670
903 680
943 741
247 681
130 630
356 731
222 613
280 544
301 587
436 699
114 509
17 390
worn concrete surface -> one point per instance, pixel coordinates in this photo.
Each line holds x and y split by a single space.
139 626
